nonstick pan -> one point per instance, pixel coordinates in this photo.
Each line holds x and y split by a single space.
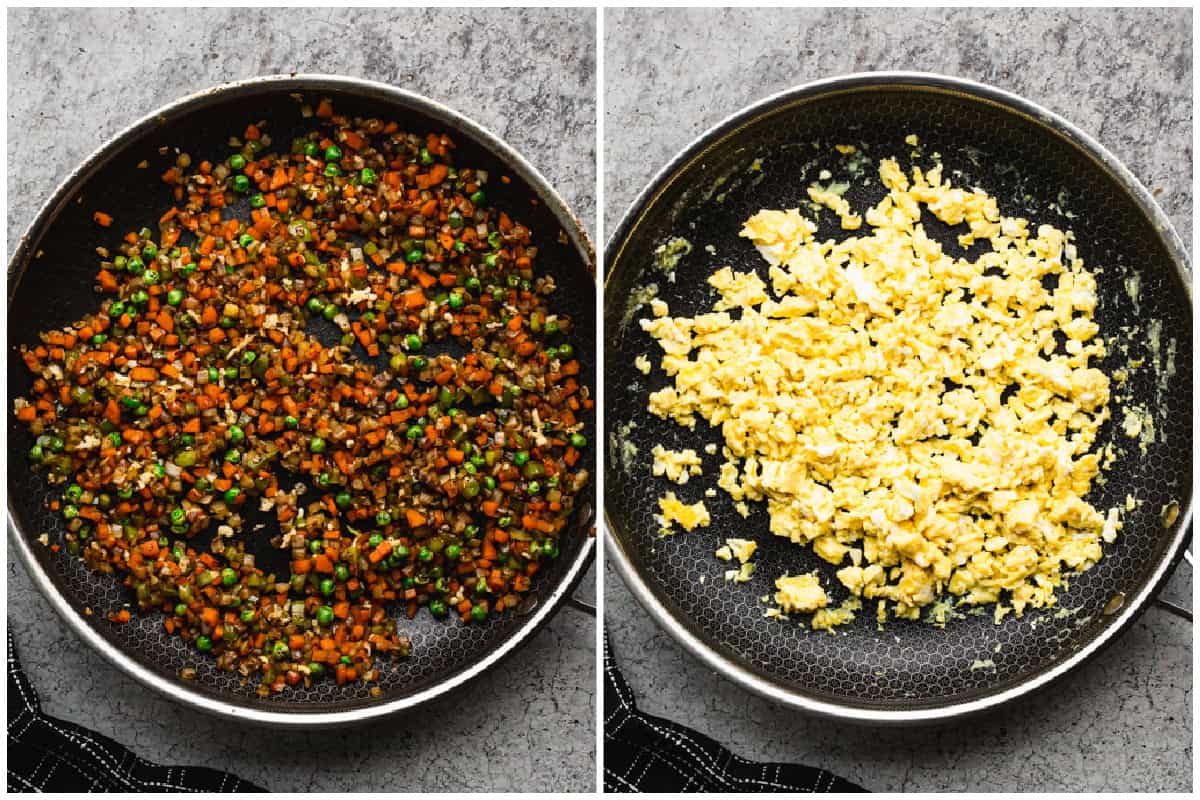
1037 165
50 284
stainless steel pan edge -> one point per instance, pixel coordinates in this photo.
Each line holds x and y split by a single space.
574 229
1132 608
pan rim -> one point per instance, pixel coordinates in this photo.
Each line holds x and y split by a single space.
793 696
175 689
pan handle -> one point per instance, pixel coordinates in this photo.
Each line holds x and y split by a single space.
1175 608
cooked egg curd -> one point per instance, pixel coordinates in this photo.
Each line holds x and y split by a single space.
924 422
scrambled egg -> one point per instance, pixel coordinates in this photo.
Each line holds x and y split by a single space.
741 549
675 510
909 415
741 574
800 593
678 465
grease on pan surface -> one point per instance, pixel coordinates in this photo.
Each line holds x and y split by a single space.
923 422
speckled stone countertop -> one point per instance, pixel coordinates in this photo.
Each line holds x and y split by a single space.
76 77
1124 721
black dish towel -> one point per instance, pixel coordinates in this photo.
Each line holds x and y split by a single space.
650 754
46 754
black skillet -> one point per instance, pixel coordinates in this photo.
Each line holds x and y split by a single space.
50 284
1037 165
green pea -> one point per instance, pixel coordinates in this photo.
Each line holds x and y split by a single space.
472 531
312 149
70 511
412 341
236 434
233 456
453 552
578 440
241 184
504 522
248 357
456 301
316 445
291 422
232 495
478 197
550 549
342 500
341 572
99 339
332 171
401 402
116 309
247 615
325 616
174 297
231 373
178 516
414 432
419 362
229 576
367 176
74 492
520 457
438 608
565 351
401 552
425 156
327 586
245 240
35 453
491 260
203 643
330 311
237 161
425 554
280 650
136 266
180 609
333 153
257 200
534 487
414 255
489 482
375 540
478 612
473 284
315 546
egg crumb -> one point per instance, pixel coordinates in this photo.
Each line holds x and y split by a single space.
882 396
676 465
689 517
800 593
741 549
642 363
741 574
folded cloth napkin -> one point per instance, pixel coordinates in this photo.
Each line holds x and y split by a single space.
649 754
46 754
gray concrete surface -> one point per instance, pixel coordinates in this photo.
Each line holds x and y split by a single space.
1123 722
75 77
